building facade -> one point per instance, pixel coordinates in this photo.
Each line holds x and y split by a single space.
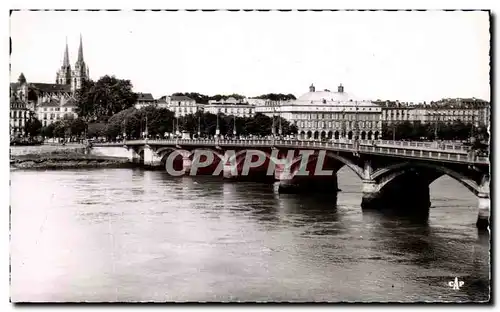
468 111
330 115
19 116
53 99
56 109
182 105
144 100
179 105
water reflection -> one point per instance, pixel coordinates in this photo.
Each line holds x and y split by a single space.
129 234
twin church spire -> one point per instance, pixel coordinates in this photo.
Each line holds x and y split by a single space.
74 77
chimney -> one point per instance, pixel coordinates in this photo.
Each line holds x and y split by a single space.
340 88
312 88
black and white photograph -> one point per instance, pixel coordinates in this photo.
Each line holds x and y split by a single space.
250 156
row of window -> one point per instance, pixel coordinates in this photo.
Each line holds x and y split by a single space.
57 109
337 124
20 114
185 109
452 112
55 116
235 111
18 123
338 116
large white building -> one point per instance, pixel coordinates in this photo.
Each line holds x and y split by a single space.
332 115
56 109
468 111
181 105
230 106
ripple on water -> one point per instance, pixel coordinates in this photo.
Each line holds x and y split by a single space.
173 239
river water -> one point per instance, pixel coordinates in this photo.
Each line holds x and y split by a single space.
136 235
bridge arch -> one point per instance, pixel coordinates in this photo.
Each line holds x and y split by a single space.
237 157
342 161
216 153
387 175
163 149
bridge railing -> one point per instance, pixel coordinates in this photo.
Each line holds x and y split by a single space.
409 144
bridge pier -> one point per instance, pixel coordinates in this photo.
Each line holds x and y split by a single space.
186 165
484 202
132 155
408 196
151 159
291 183
229 171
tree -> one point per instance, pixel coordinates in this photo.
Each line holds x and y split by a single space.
104 98
96 129
48 131
86 98
277 97
59 129
199 98
33 127
159 120
124 121
219 97
77 126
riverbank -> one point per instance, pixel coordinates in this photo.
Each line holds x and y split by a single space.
61 157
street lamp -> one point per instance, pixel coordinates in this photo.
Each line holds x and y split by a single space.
436 120
357 123
177 132
234 125
344 125
472 129
173 126
280 130
273 130
199 126
124 129
217 130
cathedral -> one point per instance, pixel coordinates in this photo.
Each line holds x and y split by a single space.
49 102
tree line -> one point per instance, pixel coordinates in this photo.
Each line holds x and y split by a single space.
160 122
204 99
416 131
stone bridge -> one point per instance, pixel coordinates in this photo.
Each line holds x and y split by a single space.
393 173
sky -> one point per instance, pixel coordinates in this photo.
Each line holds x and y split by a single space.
406 56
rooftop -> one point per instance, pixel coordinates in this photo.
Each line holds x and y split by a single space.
51 103
50 87
145 97
180 98
327 97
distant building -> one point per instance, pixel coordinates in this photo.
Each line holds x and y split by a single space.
231 107
54 110
182 105
256 102
332 115
143 100
44 99
19 115
448 110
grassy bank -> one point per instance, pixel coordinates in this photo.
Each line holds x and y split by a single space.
60 157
